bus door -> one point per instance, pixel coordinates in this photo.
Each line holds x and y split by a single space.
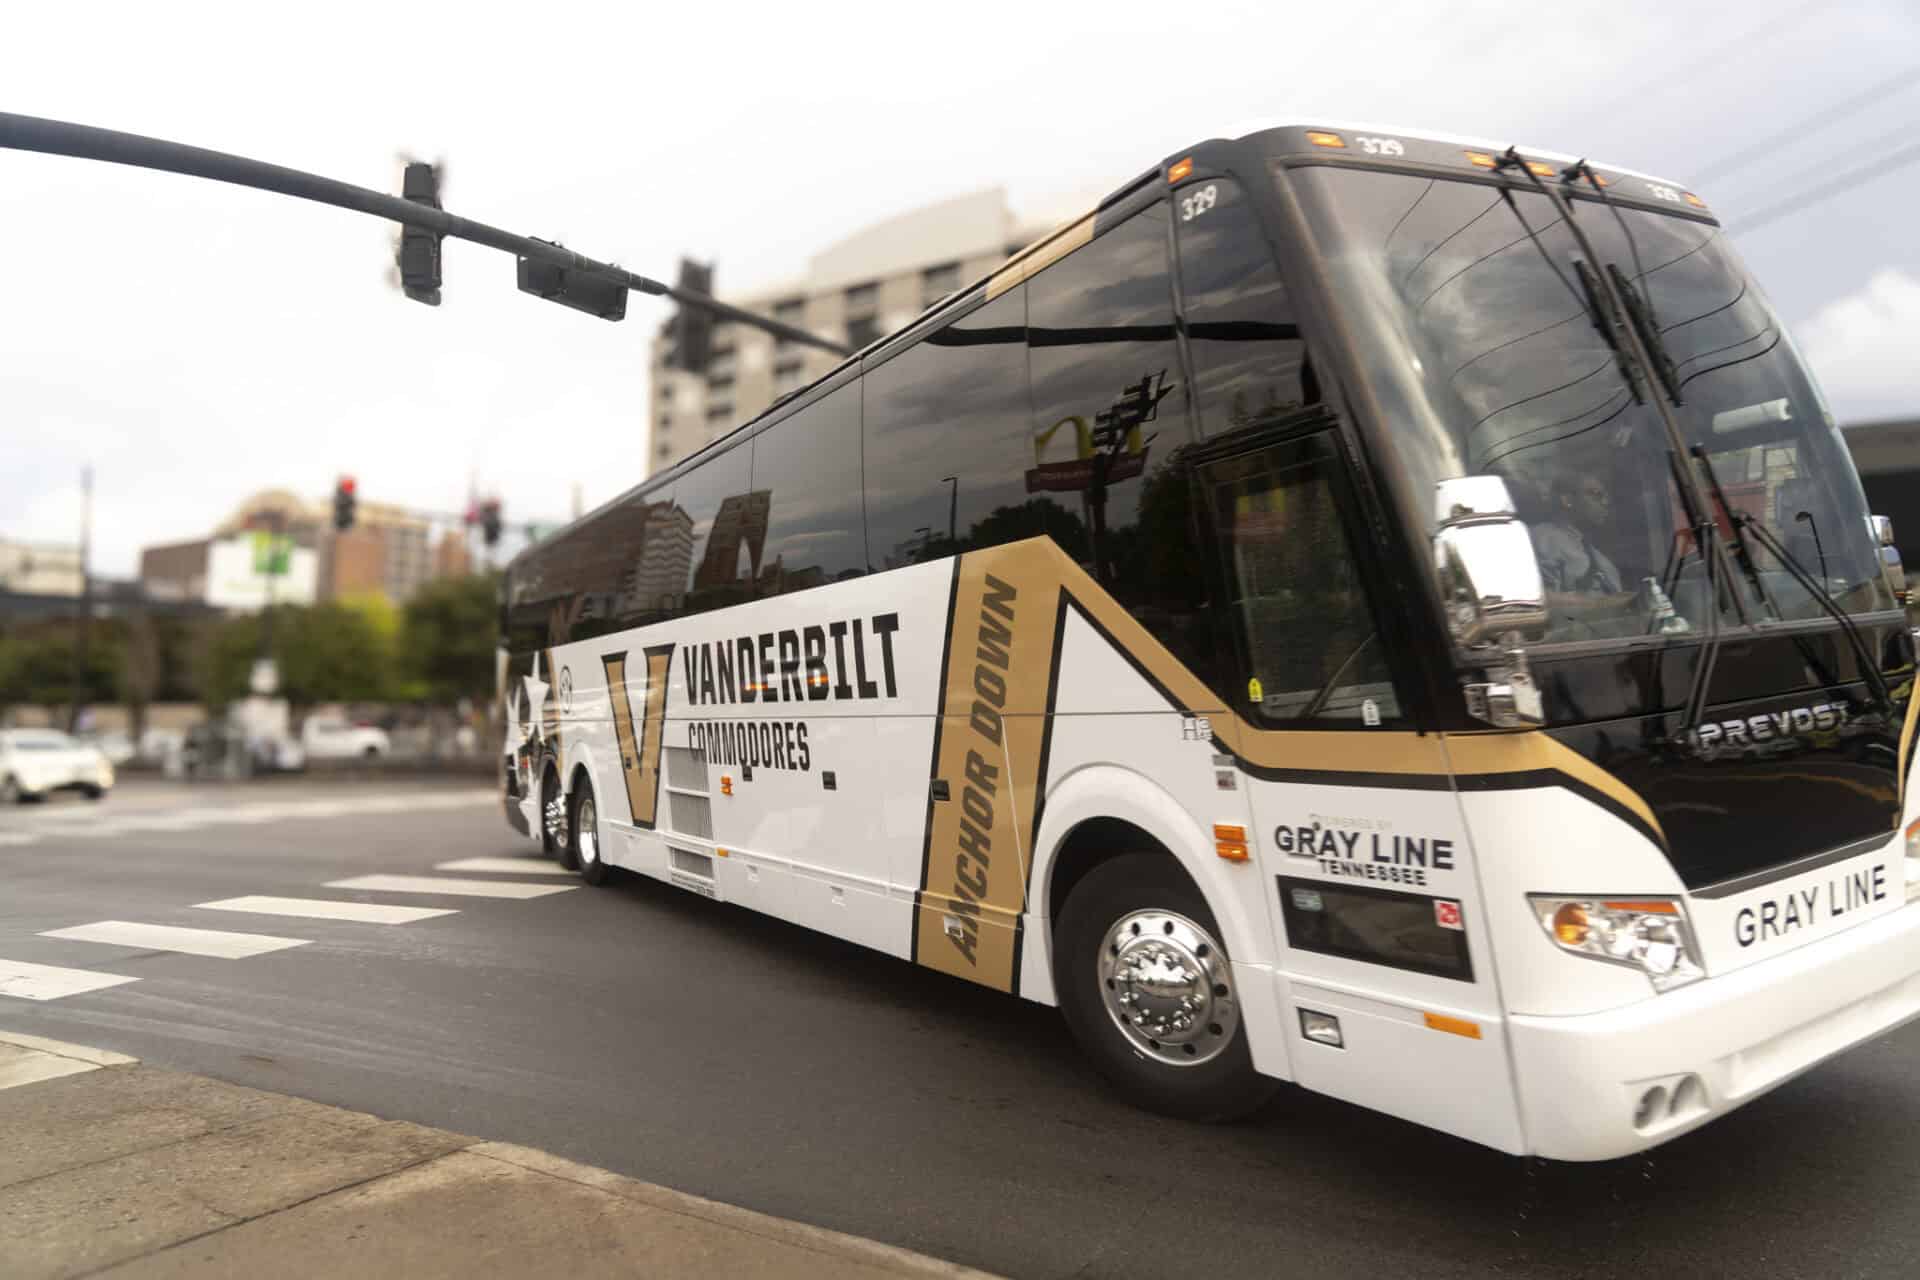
1387 989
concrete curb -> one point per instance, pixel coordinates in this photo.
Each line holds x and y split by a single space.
732 1217
118 1168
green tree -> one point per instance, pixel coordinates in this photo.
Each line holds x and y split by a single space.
448 638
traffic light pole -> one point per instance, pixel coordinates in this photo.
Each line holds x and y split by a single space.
61 138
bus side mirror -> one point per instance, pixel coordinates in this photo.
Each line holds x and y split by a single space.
1483 559
1882 530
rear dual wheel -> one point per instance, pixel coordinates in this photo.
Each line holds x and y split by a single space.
585 832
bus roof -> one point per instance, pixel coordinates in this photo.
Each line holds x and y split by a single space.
1249 128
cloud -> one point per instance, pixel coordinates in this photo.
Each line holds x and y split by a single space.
1865 348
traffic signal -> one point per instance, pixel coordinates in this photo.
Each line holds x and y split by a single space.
490 521
419 253
583 291
691 329
344 502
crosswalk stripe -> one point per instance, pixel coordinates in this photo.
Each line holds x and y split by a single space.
462 888
511 866
327 909
26 981
217 943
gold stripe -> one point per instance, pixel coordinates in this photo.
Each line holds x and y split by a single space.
1039 255
1495 753
1906 739
1336 751
1006 607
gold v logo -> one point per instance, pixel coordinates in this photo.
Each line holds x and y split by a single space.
640 753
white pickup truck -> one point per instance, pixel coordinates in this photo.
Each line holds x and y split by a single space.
334 738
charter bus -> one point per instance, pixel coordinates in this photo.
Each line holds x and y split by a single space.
1373 610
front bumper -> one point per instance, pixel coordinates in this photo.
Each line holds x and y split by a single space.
1587 1084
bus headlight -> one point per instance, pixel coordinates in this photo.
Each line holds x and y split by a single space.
1648 934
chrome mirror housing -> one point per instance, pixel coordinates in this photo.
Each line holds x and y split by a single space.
1489 581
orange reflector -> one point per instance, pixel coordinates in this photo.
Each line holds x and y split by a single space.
1695 201
1322 139
1453 1026
726 784
1230 841
1480 159
1644 908
1570 924
718 852
1540 170
1180 170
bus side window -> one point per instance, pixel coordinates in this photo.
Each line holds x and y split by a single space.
1313 650
727 524
944 432
1249 362
1109 427
807 466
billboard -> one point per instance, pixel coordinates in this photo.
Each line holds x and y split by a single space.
244 571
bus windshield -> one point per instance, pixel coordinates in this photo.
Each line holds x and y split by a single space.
1479 334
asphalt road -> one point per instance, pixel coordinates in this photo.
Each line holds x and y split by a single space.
648 1031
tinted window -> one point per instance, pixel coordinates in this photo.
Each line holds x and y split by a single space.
1249 363
727 525
808 469
1109 426
1312 650
621 568
946 446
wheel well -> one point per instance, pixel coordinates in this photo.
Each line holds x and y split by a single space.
1091 843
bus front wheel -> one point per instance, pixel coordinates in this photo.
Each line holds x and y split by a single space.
1145 985
586 835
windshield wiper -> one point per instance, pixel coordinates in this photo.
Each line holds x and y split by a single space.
1333 681
1639 306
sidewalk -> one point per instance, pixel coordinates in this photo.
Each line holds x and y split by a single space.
110 1167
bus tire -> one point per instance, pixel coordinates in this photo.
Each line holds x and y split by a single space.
584 834
1145 985
553 819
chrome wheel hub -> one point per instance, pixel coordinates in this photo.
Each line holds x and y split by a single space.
1167 985
589 836
556 818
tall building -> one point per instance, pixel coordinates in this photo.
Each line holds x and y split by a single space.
868 285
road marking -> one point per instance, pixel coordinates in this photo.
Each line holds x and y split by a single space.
463 888
512 866
326 909
26 981
8 838
161 937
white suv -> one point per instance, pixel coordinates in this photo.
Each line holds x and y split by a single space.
332 738
34 762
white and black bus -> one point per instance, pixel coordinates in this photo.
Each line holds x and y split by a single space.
1372 610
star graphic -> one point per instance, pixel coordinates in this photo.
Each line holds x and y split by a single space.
536 697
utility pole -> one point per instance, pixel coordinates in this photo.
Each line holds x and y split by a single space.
86 599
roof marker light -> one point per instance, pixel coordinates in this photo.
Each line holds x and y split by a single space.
1180 170
1481 159
1540 169
1321 138
1695 200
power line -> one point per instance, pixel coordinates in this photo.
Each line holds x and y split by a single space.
1830 187
1746 155
1720 52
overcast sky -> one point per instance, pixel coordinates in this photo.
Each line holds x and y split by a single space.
197 342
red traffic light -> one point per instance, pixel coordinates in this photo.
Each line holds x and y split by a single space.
346 484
